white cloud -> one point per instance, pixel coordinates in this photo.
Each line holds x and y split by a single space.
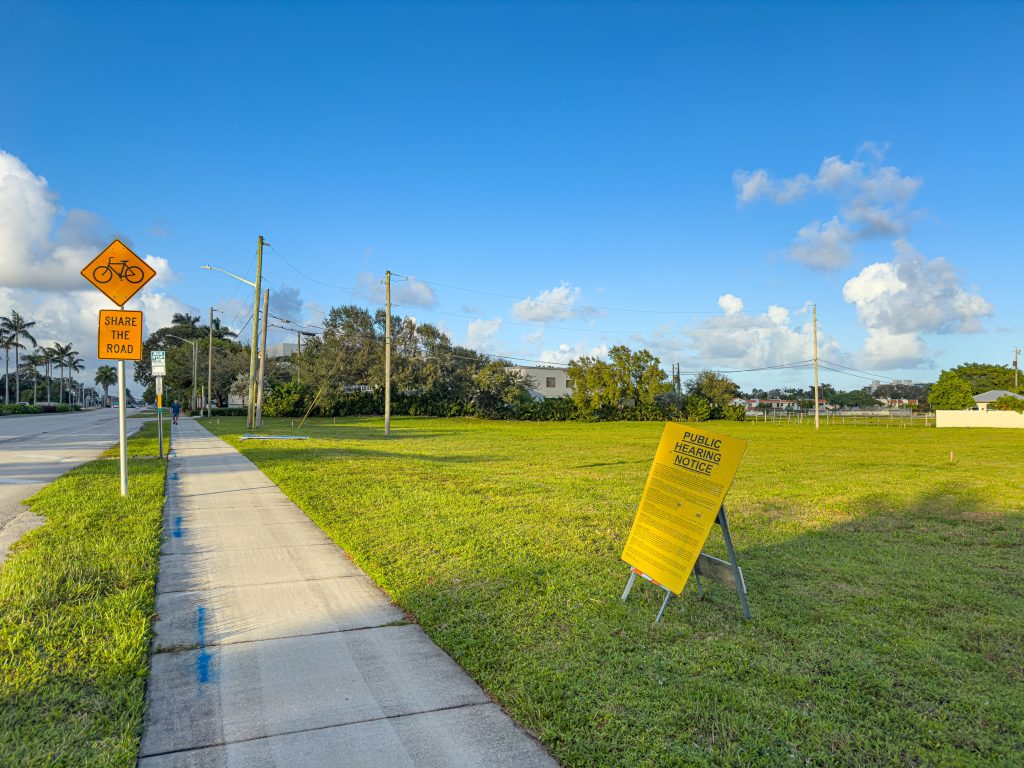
405 291
731 304
42 251
565 353
887 351
480 333
534 339
552 304
738 340
908 296
823 246
873 200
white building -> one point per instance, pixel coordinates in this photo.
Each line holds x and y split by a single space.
281 349
547 381
985 399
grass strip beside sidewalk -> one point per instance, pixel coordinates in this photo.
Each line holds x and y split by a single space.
143 444
77 597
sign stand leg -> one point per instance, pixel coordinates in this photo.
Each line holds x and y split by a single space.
122 440
629 586
664 603
740 586
700 590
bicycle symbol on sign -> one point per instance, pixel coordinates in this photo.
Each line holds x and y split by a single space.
104 273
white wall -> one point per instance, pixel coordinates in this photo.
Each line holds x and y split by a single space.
540 375
1000 419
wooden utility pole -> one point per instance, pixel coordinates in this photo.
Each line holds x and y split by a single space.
209 372
1016 354
816 408
251 411
387 354
258 420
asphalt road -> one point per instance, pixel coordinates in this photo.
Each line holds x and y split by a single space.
35 450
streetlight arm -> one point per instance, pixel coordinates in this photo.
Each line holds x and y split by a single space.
231 274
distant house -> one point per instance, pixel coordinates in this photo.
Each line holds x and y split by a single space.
548 381
281 350
985 399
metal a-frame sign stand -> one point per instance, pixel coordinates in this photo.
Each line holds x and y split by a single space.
716 569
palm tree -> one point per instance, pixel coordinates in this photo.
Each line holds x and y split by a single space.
17 327
36 359
60 355
7 342
106 377
74 364
185 320
221 331
52 359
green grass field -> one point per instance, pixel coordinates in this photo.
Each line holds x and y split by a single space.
76 600
884 579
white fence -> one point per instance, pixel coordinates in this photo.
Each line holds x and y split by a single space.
998 419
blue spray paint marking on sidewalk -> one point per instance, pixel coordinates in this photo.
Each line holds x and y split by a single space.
203 660
178 532
174 476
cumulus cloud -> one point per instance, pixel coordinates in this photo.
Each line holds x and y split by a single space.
565 353
480 333
550 305
407 291
42 251
738 340
823 246
731 304
910 295
873 198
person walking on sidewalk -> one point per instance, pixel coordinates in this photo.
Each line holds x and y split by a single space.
175 411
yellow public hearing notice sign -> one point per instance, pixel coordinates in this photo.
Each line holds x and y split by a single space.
689 478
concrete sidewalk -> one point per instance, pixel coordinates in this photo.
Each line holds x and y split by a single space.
273 649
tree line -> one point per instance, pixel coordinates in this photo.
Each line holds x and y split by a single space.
35 366
341 373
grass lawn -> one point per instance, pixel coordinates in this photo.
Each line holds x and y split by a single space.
76 600
144 442
886 583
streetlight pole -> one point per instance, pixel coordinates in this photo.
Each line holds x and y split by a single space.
255 321
209 372
250 423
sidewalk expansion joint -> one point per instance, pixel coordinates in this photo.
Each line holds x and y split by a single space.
468 705
207 588
367 628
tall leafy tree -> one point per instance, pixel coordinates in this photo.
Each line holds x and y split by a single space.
950 393
17 327
717 389
106 377
984 377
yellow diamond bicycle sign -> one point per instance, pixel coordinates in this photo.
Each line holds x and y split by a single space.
118 273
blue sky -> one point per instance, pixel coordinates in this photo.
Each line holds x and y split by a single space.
713 169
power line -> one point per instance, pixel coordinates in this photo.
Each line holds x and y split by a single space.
563 304
299 272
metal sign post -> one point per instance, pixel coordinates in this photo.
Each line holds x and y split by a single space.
122 439
119 274
159 387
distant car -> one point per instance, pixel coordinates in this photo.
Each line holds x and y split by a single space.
22 403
